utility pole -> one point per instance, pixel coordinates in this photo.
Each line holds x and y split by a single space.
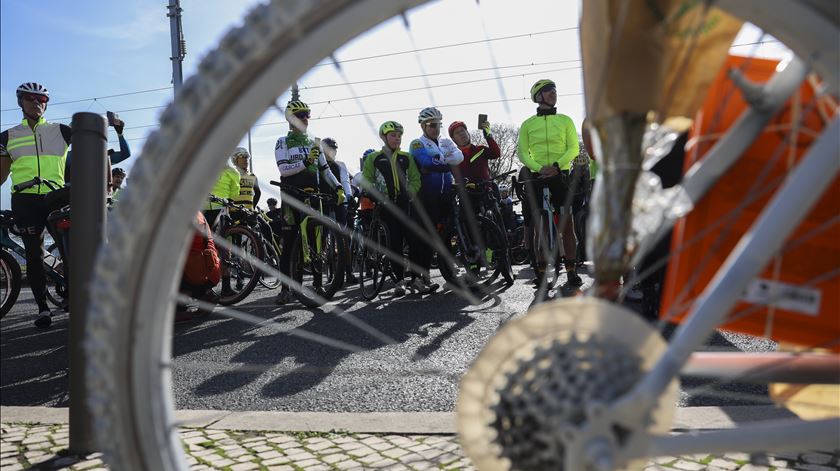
179 46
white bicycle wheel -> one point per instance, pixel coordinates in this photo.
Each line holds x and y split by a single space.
131 318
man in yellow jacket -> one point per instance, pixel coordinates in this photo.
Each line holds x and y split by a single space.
548 143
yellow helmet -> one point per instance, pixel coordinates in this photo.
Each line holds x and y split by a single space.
538 87
389 126
296 106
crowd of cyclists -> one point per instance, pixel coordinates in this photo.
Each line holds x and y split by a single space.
416 185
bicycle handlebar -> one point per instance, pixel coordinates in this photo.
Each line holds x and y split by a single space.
53 186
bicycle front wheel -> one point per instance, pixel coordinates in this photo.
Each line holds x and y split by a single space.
270 257
318 267
237 267
10 279
372 261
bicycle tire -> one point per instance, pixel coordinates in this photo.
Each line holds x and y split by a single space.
10 280
135 276
272 258
551 275
56 284
242 269
373 266
327 274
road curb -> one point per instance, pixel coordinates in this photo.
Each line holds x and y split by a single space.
412 423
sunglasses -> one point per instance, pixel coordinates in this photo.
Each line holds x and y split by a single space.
36 98
433 125
302 115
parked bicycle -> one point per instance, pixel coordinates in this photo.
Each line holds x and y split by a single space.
317 261
237 264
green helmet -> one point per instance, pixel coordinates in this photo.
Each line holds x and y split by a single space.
296 106
538 87
389 126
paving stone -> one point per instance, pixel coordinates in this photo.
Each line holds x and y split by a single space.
688 465
348 465
754 467
244 466
322 445
300 456
281 468
383 463
369 440
395 453
88 464
723 464
262 449
278 460
381 446
362 451
816 458
269 454
305 463
317 467
13 467
334 458
371 458
220 462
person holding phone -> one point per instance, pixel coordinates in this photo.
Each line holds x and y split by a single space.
475 166
435 157
548 144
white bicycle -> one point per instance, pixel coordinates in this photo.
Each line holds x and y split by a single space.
613 406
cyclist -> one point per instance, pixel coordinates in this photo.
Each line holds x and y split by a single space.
226 187
344 192
275 214
475 166
393 173
249 187
34 148
117 178
435 158
548 143
506 206
301 166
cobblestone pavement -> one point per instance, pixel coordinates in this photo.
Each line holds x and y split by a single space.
29 446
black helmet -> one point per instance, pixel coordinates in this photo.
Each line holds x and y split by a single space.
116 171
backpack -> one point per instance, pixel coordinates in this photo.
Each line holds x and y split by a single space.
203 265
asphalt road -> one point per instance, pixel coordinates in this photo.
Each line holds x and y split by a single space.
422 347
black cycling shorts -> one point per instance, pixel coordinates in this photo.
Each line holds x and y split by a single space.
557 187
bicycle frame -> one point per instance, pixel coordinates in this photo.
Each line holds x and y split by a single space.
780 217
12 246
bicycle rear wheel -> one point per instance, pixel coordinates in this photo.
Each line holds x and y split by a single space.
372 261
10 279
57 281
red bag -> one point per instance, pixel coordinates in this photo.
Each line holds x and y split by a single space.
203 264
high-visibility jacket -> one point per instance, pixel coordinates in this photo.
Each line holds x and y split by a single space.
40 151
247 182
546 139
227 187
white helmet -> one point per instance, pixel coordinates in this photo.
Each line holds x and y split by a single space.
429 114
237 152
32 87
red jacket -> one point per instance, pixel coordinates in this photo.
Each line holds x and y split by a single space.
475 166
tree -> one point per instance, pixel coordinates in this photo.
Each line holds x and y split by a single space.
507 136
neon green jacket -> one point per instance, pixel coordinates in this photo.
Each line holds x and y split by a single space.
544 140
227 186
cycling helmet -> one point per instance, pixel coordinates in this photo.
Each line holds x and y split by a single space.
271 202
455 125
539 87
237 152
296 106
389 126
429 114
117 171
32 87
328 141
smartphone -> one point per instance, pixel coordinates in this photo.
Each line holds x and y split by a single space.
482 118
111 117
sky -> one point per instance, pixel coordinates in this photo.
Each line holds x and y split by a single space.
89 49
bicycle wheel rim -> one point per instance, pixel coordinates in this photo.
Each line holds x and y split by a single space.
10 279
